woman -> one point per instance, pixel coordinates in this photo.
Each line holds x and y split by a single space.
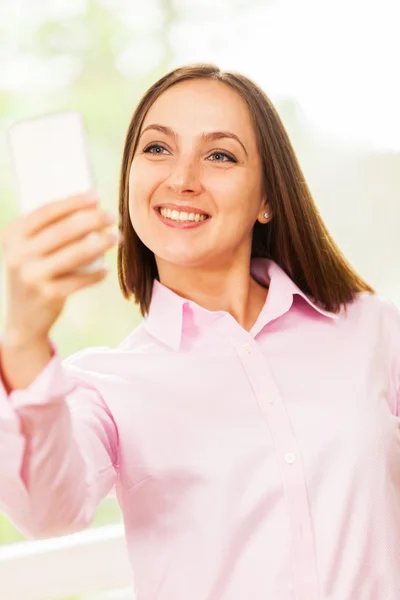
251 422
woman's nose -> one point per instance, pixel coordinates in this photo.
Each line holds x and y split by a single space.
185 179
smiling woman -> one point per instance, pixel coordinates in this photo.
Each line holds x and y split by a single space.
208 142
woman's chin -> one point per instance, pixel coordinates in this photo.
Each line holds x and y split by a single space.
182 260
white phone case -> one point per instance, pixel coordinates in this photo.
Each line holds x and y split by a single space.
50 162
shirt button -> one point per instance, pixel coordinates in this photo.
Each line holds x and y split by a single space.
270 399
247 348
290 457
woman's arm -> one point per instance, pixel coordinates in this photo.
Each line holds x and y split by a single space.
58 452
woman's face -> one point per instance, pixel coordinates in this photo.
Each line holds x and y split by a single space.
195 180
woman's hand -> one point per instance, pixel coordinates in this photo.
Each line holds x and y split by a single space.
43 251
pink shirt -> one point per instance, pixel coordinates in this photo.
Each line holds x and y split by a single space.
260 465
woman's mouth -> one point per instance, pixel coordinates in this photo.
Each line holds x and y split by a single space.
182 219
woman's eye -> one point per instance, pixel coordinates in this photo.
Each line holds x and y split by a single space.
222 157
155 149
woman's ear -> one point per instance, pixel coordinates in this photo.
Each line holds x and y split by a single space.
264 215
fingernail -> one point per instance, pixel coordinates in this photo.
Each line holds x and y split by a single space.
91 197
116 235
109 218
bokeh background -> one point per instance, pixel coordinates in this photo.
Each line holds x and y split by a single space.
330 67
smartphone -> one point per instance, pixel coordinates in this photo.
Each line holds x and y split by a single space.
50 161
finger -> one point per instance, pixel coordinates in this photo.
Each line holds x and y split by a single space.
70 258
34 221
66 231
63 287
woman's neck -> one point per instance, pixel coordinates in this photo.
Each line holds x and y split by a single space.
234 291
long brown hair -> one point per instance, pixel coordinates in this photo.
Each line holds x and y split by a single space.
296 237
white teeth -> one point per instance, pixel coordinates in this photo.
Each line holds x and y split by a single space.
176 215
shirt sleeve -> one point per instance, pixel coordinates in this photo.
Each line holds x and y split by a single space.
58 453
394 333
397 369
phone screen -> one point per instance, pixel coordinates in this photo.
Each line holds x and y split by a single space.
50 161
50 158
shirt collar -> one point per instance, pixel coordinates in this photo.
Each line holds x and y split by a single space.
168 310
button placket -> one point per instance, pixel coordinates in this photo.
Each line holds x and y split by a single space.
277 420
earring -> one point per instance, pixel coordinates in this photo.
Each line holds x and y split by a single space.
266 215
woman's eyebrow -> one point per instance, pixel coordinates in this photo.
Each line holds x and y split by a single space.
211 136
218 135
